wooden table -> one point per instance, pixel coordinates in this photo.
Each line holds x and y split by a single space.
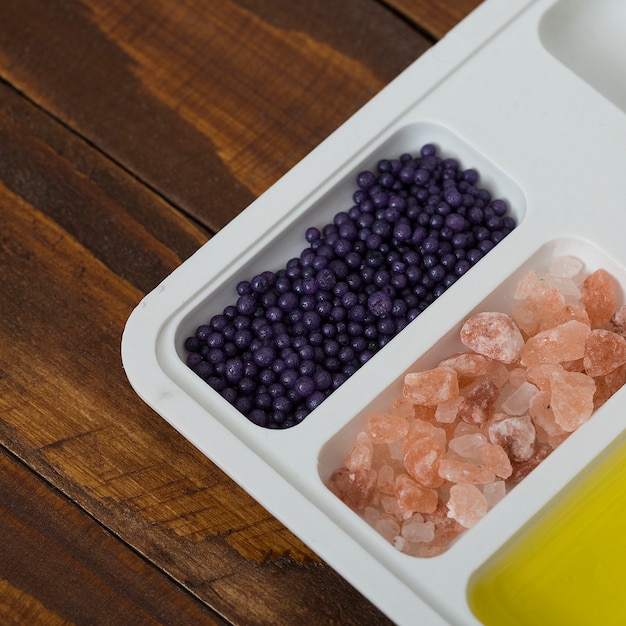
130 132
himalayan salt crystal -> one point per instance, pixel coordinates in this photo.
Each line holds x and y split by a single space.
565 342
565 314
515 434
386 480
519 401
547 298
572 399
467 365
431 387
498 373
604 351
468 446
565 267
541 412
399 543
467 504
447 412
494 492
526 285
541 375
361 455
356 489
396 450
463 428
415 497
371 514
421 461
599 297
480 402
392 507
463 472
495 458
494 335
388 527
386 427
527 315
421 428
402 408
617 323
523 468
417 530
517 376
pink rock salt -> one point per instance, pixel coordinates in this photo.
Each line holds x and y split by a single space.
415 497
519 401
386 427
361 455
515 434
417 530
565 342
356 489
494 335
386 480
467 504
494 492
542 415
431 387
480 402
495 459
604 352
599 297
463 472
422 461
572 398
468 446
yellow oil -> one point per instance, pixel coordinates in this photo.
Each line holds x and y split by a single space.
568 566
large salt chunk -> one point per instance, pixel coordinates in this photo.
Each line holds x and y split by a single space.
497 460
572 398
467 504
494 335
431 387
480 402
386 427
519 401
422 461
414 497
599 297
361 455
516 435
604 351
565 342
356 489
463 472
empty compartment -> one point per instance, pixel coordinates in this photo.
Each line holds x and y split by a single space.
439 451
589 37
279 244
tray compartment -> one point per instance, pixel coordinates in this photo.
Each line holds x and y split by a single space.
589 37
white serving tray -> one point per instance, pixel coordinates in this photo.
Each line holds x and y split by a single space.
531 93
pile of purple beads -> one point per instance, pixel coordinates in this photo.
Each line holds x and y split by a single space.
295 335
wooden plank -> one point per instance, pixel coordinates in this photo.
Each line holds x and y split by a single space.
434 18
67 410
59 566
134 232
207 102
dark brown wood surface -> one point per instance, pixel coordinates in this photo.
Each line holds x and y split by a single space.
130 132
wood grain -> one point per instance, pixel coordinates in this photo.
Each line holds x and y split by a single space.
67 410
434 18
59 566
207 102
